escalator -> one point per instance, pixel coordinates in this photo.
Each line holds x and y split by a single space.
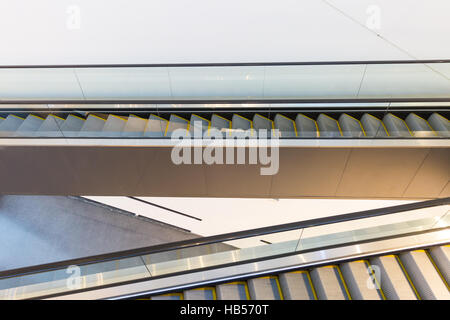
399 252
411 275
289 124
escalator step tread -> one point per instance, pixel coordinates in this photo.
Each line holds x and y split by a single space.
177 123
440 124
72 125
394 280
156 126
373 126
441 257
233 291
135 126
419 126
297 286
198 122
424 275
306 127
328 126
265 288
30 124
200 294
114 124
10 125
285 126
396 126
359 281
351 127
329 283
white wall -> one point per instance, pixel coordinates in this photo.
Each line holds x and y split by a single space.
176 31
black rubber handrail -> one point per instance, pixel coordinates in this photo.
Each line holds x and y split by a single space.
227 237
224 64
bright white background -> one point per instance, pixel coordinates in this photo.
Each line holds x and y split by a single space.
174 31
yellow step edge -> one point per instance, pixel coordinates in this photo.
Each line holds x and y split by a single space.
407 276
118 117
2 118
158 117
37 117
55 116
13 115
437 269
93 115
201 118
442 116
179 117
343 282
133 115
369 266
251 122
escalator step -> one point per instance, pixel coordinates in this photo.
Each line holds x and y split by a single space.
51 127
395 126
169 296
265 288
233 291
361 282
198 122
220 123
239 122
93 126
424 275
285 126
10 125
156 126
1 120
208 293
306 127
72 125
114 125
440 124
329 283
177 123
262 123
394 279
297 285
350 126
419 126
328 126
441 257
134 127
373 127
30 124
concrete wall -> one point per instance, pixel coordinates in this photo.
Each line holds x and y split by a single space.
42 229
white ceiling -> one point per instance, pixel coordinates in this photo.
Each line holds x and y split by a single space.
176 31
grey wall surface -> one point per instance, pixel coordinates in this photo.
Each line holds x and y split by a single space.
330 172
43 229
